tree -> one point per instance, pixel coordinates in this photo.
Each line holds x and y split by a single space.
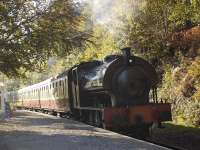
150 28
32 31
105 44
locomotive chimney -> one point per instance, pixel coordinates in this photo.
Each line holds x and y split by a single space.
126 54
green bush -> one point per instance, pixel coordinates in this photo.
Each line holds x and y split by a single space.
180 86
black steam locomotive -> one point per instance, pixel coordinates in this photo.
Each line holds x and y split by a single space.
113 93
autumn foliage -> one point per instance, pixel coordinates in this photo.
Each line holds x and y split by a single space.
188 40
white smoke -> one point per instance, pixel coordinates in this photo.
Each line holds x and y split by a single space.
112 11
102 10
115 15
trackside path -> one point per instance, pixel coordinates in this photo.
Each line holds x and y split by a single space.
34 131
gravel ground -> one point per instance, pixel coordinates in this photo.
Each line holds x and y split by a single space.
34 131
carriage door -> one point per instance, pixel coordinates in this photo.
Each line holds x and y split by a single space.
75 88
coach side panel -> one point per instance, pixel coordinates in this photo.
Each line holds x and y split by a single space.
54 96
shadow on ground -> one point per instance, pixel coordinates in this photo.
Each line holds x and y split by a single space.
25 140
27 120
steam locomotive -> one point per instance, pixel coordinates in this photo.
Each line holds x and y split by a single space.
118 93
